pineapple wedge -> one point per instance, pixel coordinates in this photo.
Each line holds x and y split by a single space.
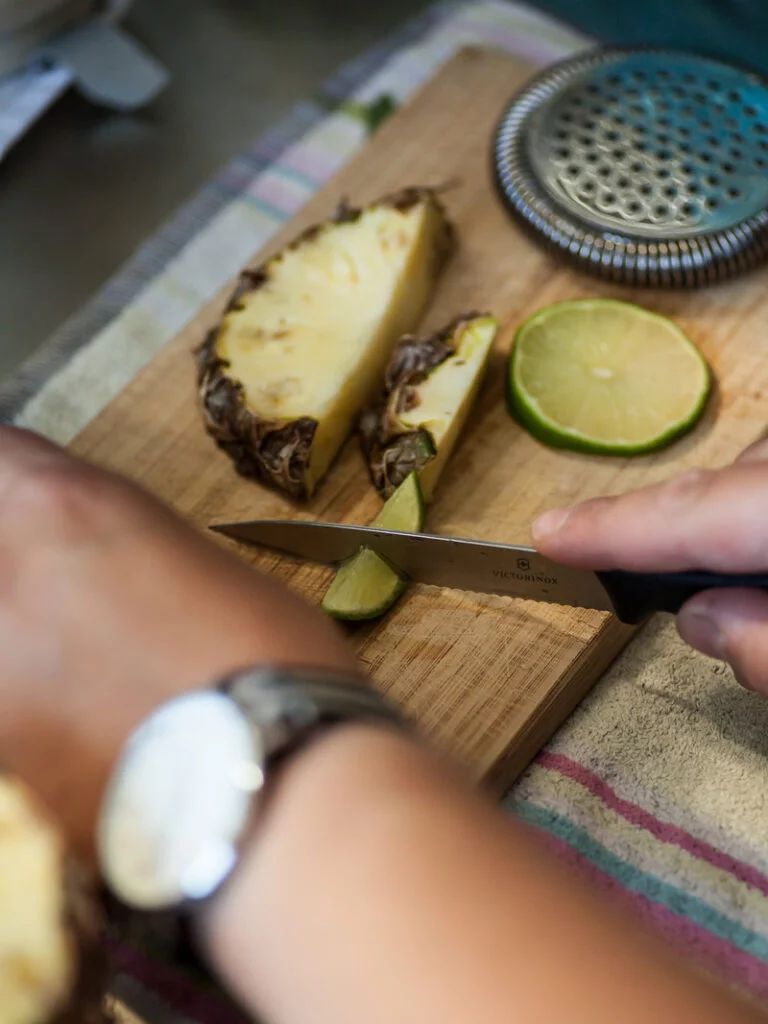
52 967
306 337
430 386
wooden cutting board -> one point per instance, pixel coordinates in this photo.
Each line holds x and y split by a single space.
491 678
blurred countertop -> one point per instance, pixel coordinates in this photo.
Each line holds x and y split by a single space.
86 187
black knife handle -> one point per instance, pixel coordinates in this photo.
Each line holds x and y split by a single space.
636 595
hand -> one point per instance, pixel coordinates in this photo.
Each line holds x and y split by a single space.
703 519
109 605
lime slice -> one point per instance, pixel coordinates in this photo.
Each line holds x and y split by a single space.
366 586
605 377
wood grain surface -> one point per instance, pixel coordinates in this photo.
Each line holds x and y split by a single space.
491 678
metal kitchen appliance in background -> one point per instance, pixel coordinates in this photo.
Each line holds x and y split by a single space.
647 167
25 25
46 46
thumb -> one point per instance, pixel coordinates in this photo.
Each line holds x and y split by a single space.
731 625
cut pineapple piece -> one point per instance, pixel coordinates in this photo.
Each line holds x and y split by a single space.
51 966
429 390
306 337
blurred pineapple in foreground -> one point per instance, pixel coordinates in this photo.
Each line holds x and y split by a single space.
52 969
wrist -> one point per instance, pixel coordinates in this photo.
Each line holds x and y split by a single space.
338 809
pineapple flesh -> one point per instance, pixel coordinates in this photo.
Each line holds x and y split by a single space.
52 969
430 387
306 338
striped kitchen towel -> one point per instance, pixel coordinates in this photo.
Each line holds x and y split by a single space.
657 788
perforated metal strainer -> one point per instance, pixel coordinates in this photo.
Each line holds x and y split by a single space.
645 166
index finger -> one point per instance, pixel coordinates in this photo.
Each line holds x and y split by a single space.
17 443
703 519
23 449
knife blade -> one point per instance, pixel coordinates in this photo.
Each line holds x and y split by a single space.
427 558
487 567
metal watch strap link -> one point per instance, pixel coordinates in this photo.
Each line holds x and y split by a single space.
290 704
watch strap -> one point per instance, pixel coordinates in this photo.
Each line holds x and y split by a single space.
291 704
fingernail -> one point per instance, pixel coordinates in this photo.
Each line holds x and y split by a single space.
549 523
701 630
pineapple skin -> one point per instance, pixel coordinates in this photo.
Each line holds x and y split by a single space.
53 967
392 449
294 454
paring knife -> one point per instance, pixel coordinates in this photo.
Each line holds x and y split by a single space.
488 568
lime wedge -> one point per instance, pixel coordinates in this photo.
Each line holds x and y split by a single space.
366 586
405 509
605 377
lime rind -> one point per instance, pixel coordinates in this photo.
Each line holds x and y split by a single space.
527 411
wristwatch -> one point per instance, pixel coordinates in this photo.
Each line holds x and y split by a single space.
190 785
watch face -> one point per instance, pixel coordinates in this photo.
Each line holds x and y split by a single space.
179 802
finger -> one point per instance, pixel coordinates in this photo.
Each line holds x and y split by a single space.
23 449
716 519
757 452
16 444
731 625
